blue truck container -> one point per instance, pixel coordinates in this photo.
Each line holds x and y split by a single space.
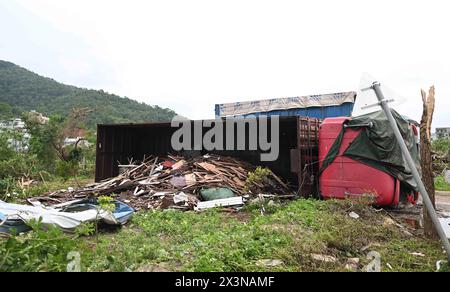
314 106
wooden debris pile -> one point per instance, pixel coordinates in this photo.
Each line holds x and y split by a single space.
176 182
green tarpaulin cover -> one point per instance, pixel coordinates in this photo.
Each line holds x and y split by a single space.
377 147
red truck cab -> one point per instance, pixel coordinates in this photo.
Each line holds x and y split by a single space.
348 178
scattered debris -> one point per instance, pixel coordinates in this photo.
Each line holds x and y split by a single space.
66 216
270 263
216 194
353 215
389 266
394 221
179 183
324 258
180 198
412 223
352 264
236 201
369 246
441 163
26 183
388 222
417 254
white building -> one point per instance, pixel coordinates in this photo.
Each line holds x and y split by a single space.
20 137
20 140
443 132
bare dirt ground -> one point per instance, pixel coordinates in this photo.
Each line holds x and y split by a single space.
411 217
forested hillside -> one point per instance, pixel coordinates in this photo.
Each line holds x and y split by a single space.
24 90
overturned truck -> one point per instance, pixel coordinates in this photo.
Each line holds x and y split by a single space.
295 144
310 142
293 149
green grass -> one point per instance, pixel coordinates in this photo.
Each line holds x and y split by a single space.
217 241
440 184
18 194
441 146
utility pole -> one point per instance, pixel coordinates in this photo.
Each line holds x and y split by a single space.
376 86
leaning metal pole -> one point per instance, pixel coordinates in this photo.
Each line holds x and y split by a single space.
426 199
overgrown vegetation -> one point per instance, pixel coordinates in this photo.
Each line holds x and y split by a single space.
13 165
257 179
441 148
39 249
25 173
440 184
216 241
23 90
72 110
259 175
8 112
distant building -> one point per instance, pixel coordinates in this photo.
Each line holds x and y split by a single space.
20 145
443 132
20 138
16 124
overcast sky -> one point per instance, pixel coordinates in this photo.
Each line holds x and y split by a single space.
189 55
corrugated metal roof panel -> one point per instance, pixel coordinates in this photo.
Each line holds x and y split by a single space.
283 104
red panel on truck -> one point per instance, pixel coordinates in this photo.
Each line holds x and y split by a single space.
347 178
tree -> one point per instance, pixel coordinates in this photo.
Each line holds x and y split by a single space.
426 156
48 141
14 165
6 111
71 126
6 152
24 91
43 136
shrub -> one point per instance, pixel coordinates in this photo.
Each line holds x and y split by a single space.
441 184
66 170
38 250
442 146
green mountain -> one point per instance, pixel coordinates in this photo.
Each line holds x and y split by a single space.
24 90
